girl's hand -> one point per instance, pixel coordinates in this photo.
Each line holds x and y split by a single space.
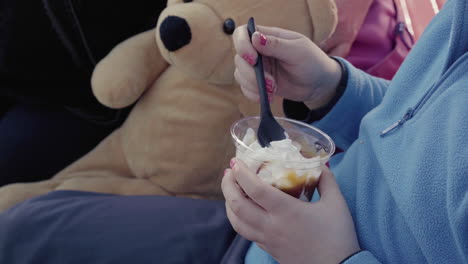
295 68
291 230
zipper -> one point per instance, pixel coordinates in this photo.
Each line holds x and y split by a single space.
410 113
407 116
400 30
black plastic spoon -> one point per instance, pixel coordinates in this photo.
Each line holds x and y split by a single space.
269 129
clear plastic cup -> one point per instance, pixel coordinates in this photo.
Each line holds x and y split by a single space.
298 178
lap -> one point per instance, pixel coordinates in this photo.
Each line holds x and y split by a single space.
82 227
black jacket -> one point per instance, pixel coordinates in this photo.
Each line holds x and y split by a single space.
48 48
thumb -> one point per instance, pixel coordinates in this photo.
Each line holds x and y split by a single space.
273 46
328 187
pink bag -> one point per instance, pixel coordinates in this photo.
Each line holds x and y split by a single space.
388 33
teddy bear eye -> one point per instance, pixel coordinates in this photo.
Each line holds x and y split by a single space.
229 26
188 1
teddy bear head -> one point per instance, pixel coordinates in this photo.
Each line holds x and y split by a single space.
196 36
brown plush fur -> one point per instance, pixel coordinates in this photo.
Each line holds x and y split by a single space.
176 140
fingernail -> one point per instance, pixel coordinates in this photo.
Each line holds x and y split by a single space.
263 40
249 58
269 86
232 163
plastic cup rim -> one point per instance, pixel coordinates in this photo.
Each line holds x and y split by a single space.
322 159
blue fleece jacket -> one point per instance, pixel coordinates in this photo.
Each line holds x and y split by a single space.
407 190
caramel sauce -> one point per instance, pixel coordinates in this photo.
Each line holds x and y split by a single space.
294 179
299 185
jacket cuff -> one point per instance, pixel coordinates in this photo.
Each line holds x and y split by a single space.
361 257
299 111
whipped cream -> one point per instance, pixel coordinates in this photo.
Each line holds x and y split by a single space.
280 161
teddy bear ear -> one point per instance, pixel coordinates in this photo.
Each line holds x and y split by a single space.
324 17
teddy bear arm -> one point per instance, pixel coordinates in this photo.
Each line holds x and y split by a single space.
324 18
128 70
13 194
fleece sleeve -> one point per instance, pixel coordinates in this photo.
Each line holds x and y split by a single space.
363 93
363 257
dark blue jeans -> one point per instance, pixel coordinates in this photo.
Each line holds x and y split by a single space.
81 227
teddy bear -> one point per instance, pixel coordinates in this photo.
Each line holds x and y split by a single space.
179 79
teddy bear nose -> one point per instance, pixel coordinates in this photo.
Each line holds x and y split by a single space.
175 33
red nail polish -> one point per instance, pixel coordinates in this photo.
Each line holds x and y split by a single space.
232 163
249 59
269 87
263 40
246 57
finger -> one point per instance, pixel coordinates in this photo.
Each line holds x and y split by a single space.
279 32
240 205
243 228
279 48
327 186
243 45
248 79
262 193
247 88
255 96
250 89
245 70
251 96
270 82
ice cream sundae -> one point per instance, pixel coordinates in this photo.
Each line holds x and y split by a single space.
292 165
